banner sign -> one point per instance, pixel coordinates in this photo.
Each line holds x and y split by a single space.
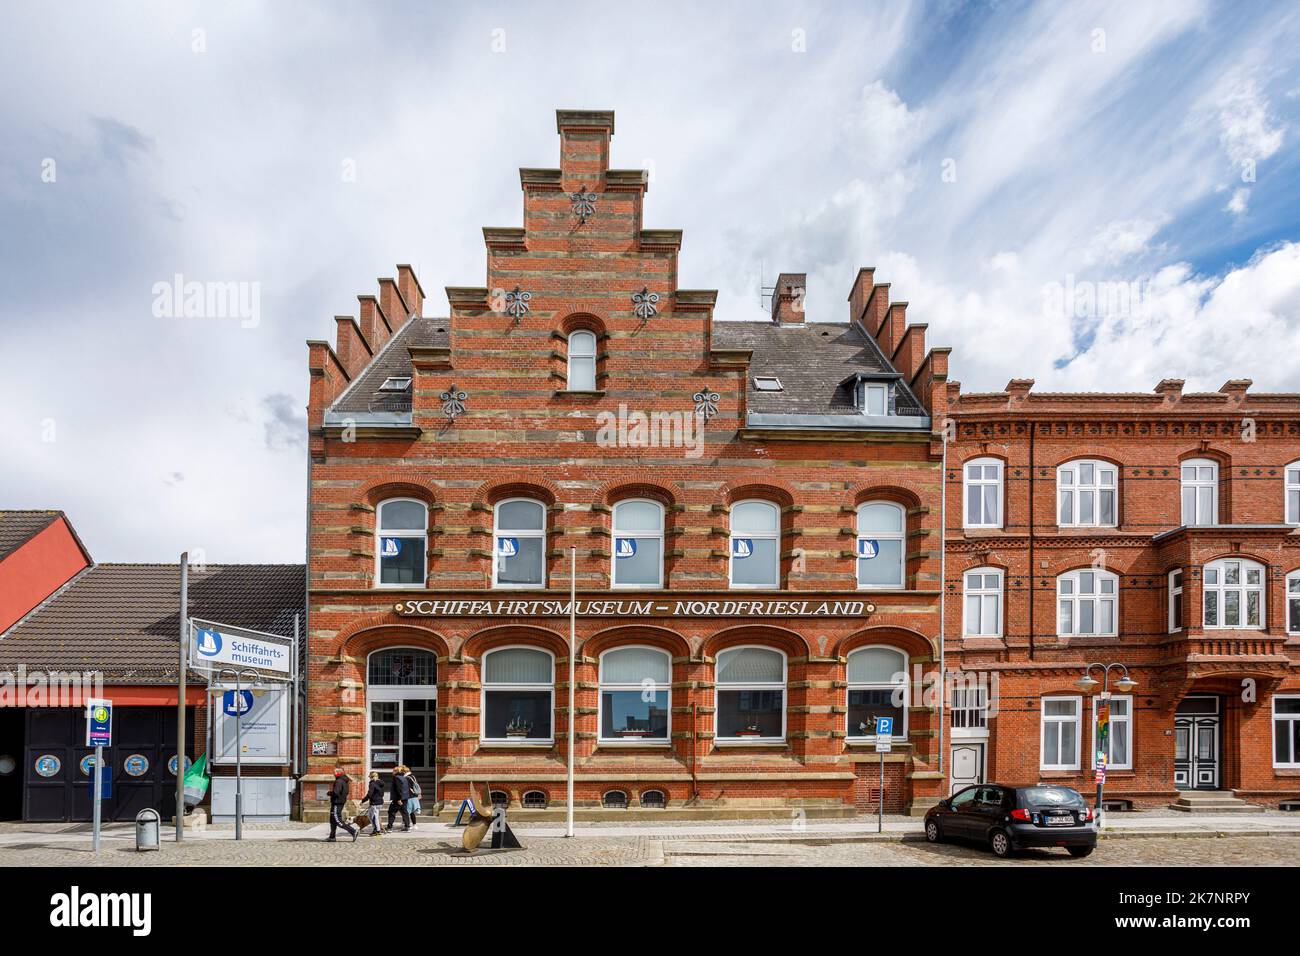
263 726
419 607
218 645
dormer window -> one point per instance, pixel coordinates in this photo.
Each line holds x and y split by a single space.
872 393
396 383
874 399
768 383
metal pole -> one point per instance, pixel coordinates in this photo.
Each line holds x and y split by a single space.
99 796
943 596
180 698
239 764
880 807
573 646
296 743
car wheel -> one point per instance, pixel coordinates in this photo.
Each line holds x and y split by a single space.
1000 843
1080 851
932 832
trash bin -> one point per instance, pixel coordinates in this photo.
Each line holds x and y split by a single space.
147 825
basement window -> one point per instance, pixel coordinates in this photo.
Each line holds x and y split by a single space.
396 383
500 798
534 800
653 799
768 383
614 800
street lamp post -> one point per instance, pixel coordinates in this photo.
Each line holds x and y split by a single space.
1087 683
239 675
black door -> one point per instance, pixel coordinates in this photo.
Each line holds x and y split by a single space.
11 763
1197 726
987 811
960 819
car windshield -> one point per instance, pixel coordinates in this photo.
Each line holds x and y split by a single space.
1050 797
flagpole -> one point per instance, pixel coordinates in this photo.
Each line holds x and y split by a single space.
180 699
573 646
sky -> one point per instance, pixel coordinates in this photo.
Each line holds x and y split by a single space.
1092 195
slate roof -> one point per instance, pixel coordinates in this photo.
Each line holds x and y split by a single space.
19 527
363 394
812 361
122 619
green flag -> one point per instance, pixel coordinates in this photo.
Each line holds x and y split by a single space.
196 781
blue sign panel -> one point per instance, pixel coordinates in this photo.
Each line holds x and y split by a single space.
884 726
209 642
624 547
507 547
234 706
99 723
390 547
742 547
868 547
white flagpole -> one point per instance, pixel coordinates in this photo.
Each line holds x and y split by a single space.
573 646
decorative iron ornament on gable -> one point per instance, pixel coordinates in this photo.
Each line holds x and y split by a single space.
584 204
517 302
644 303
706 403
453 402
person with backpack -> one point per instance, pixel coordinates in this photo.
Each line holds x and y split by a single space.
339 794
398 794
375 798
413 805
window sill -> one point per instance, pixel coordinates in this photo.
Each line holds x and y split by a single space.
637 745
1058 773
515 745
757 742
564 392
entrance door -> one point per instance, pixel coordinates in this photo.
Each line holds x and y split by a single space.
403 707
967 765
1196 744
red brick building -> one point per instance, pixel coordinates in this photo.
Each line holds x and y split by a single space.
754 509
1157 531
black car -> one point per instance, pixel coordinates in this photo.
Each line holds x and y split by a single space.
1010 818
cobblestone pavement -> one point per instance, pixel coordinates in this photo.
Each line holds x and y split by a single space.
412 850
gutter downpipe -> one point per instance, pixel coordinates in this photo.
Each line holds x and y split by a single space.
943 593
1033 431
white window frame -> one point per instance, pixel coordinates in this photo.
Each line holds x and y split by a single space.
1176 598
613 545
1291 486
1075 490
1295 755
659 688
967 483
1220 587
1198 520
422 534
719 687
574 354
1127 719
485 687
878 685
398 693
984 594
1076 599
1044 721
763 536
1291 594
969 710
882 390
497 530
900 536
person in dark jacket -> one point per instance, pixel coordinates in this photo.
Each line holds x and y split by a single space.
339 793
375 798
399 793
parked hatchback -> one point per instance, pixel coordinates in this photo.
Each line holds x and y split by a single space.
1007 819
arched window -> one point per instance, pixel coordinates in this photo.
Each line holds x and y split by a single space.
1293 493
1086 494
750 695
755 545
982 490
1234 593
614 800
635 695
520 544
1086 600
401 708
518 696
983 609
1200 481
877 679
400 549
582 361
653 799
638 544
880 545
533 800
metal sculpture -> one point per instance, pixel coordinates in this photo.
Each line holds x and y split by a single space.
480 824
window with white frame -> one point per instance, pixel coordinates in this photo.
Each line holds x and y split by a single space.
1175 600
875 398
401 533
881 544
518 695
519 544
1087 494
1293 602
1233 590
1086 601
877 679
402 706
1286 731
635 695
582 361
750 695
982 484
638 544
1200 485
983 608
1293 493
1060 733
1119 739
755 545
970 706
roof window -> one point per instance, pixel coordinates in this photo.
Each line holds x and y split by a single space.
396 383
768 383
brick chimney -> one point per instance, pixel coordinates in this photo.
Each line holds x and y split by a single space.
787 298
584 147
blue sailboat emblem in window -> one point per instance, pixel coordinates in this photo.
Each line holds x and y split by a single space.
742 547
390 547
868 547
507 547
624 547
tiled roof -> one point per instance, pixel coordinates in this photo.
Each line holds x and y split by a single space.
812 361
122 619
18 527
363 395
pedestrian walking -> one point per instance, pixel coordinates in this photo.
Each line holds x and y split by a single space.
339 794
375 799
399 792
413 804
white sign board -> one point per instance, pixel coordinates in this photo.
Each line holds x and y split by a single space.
214 646
263 728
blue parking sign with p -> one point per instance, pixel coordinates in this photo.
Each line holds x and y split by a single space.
884 726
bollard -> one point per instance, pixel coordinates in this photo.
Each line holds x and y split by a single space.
147 825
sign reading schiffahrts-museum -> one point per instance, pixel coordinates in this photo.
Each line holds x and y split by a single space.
631 608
